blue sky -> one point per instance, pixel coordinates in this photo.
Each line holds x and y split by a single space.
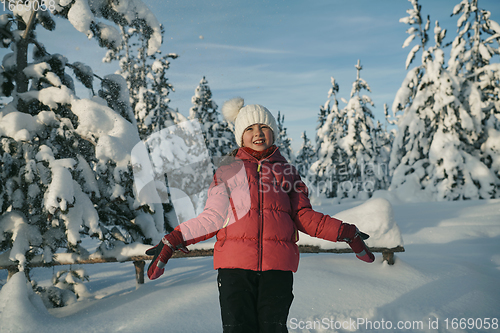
280 54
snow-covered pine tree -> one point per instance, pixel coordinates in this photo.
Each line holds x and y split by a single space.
324 110
389 135
358 143
306 156
432 153
382 142
476 43
145 74
204 108
64 157
218 137
324 177
283 141
217 141
473 47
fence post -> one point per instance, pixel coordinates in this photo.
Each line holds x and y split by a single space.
12 270
139 271
388 256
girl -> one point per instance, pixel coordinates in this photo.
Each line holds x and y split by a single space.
256 205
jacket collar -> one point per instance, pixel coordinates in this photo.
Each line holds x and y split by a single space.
260 155
275 156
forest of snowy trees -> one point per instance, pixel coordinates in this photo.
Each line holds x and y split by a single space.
65 160
445 145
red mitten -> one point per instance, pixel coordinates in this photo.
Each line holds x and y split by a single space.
354 238
347 232
362 252
163 251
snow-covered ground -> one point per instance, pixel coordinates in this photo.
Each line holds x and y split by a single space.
448 278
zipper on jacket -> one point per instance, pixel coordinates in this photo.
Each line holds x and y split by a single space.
261 217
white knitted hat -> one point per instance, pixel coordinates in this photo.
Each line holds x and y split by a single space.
244 116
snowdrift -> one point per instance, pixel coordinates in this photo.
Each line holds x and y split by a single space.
374 217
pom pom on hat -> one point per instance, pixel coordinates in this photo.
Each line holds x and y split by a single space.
231 108
242 117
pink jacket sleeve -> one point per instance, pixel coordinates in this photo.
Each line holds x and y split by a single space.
306 219
211 220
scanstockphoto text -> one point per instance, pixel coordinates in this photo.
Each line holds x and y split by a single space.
365 324
345 187
360 178
341 179
29 5
345 169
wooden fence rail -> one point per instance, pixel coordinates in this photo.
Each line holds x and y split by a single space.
140 261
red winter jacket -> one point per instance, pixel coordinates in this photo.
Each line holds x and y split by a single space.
255 208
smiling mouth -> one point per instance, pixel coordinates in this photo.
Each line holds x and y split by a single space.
258 142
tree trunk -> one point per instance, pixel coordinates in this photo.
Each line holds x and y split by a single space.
21 64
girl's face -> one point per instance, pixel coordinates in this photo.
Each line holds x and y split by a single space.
259 137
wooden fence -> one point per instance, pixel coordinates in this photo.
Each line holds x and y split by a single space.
140 261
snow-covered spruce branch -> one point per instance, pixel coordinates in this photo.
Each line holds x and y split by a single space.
76 67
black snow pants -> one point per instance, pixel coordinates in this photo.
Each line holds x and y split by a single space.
254 302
